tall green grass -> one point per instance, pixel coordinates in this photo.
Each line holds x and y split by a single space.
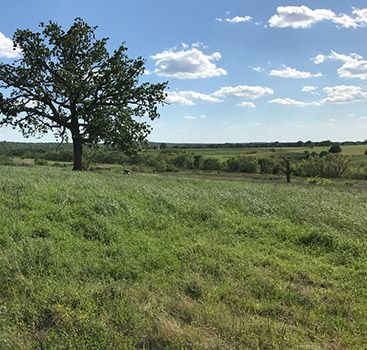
99 260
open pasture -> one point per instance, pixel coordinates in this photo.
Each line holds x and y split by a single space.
99 260
293 152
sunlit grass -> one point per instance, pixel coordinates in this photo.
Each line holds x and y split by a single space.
99 260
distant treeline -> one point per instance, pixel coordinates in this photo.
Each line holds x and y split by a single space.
31 150
326 164
28 150
276 144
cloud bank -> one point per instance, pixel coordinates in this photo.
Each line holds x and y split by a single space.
292 73
236 19
187 64
188 98
302 17
245 91
354 66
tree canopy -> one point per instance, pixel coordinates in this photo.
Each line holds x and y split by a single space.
69 83
335 148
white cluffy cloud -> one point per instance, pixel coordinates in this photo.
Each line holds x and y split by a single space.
7 47
257 69
187 98
250 92
302 17
193 117
339 94
319 59
344 94
295 103
292 73
247 104
236 19
354 66
187 64
309 88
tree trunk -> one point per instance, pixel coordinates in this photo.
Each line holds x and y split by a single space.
78 154
288 177
287 170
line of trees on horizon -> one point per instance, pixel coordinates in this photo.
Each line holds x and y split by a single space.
274 144
329 163
163 145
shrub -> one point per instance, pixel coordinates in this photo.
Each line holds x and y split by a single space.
335 148
266 166
212 164
198 161
183 161
233 165
40 162
160 167
330 166
323 154
249 165
5 160
57 156
171 168
243 164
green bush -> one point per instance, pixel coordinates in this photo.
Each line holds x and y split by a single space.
212 164
266 166
183 161
160 167
233 165
5 160
243 164
335 148
42 162
198 161
171 168
329 166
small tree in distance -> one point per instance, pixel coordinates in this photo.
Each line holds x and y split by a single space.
67 82
335 148
287 168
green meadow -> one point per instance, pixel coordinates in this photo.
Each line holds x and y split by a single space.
99 260
292 152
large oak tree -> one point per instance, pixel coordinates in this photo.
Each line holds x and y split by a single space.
68 82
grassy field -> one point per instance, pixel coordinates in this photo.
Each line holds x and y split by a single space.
296 154
172 159
225 153
99 260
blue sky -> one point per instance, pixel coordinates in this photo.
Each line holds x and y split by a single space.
238 71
